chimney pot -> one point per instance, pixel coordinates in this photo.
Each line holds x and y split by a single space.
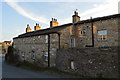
27 25
52 19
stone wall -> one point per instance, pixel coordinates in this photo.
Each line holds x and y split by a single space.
89 61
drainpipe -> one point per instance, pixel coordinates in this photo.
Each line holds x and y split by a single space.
92 35
48 50
59 40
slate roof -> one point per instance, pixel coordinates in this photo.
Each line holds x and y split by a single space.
57 28
44 31
99 18
7 42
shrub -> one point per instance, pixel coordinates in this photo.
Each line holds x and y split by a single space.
9 57
6 55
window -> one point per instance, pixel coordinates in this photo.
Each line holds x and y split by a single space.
23 55
102 35
72 41
46 39
54 49
46 56
33 55
38 36
54 40
33 39
83 32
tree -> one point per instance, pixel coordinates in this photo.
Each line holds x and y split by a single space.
3 46
10 56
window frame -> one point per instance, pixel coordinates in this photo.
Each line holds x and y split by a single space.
83 32
46 56
103 34
33 55
46 38
72 41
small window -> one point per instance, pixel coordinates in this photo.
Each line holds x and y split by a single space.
46 56
23 55
33 55
38 36
83 32
33 39
102 35
54 49
72 41
54 40
46 39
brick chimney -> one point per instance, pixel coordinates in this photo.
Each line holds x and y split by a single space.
28 29
75 17
37 27
53 22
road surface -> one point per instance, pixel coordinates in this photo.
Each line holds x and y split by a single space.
0 67
9 71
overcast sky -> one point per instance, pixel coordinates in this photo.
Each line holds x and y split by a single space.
15 15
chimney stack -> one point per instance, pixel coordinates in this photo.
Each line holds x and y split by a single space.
75 17
28 29
53 22
37 27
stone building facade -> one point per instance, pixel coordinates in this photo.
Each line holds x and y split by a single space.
98 32
41 45
5 46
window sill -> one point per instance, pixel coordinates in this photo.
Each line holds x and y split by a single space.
102 40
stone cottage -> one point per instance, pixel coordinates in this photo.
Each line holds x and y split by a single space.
5 45
40 45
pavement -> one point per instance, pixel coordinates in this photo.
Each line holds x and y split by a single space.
0 67
9 71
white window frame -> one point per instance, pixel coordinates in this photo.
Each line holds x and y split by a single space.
102 33
23 56
54 40
72 41
83 32
54 49
46 38
33 55
39 36
46 56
